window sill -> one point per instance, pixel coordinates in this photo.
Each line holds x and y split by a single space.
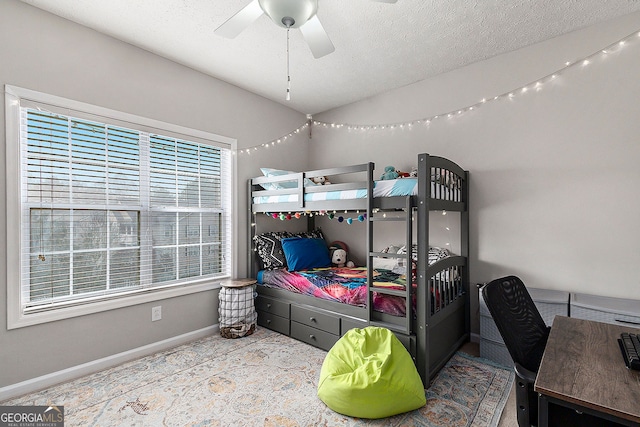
20 320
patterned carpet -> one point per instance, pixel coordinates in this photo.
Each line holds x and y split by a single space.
265 379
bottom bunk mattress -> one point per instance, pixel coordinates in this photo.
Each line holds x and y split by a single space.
340 284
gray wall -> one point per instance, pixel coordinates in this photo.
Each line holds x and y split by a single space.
554 173
43 52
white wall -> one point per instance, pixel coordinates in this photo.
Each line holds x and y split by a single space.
43 52
554 174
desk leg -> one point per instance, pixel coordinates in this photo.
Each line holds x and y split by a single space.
543 410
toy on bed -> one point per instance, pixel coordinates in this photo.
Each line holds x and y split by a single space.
321 180
339 259
389 173
339 251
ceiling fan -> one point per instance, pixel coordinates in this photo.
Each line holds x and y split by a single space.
288 14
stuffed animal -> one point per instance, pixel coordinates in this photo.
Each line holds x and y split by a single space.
403 174
339 259
414 172
389 173
321 180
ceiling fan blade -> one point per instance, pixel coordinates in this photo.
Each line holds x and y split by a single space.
316 37
241 20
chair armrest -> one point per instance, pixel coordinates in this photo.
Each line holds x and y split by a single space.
525 374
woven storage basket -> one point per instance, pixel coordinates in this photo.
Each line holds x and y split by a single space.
237 311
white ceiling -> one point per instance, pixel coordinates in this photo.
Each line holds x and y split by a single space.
378 46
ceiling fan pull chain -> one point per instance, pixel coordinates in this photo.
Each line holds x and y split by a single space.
288 98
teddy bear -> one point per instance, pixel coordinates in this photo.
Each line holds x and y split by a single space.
321 180
389 173
339 259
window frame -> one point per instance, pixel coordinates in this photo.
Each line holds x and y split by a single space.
17 97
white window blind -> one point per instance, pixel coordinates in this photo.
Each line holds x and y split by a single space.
108 211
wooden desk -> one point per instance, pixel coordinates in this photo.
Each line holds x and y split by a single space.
582 369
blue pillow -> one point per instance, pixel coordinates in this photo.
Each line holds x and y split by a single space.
303 253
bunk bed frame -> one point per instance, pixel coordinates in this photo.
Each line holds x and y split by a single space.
439 325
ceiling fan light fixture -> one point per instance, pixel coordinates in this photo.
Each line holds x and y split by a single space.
288 21
283 12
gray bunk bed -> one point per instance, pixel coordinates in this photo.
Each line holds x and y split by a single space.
436 296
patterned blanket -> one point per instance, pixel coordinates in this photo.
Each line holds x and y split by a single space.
345 285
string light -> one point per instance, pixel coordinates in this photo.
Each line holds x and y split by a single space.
282 216
427 121
275 142
510 95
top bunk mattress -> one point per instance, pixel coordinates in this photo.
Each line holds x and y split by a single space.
382 188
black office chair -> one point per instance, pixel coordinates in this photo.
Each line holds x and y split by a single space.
525 336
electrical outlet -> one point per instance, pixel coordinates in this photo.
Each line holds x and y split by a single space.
156 313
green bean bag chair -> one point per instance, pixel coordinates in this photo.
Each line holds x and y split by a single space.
369 374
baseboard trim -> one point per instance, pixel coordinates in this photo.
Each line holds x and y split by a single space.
48 380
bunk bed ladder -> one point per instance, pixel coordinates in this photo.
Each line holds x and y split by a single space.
369 240
393 323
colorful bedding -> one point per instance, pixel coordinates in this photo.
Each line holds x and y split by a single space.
345 285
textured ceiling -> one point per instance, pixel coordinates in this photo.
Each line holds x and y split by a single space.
378 46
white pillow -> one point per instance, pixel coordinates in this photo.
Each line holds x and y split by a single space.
270 172
385 263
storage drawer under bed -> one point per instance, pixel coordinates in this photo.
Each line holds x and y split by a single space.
315 319
273 322
273 306
313 336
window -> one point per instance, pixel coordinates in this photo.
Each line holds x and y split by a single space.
110 211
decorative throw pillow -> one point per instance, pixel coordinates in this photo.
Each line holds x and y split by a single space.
303 253
314 234
380 263
269 248
414 251
391 249
436 254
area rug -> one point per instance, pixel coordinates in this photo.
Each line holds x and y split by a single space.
266 379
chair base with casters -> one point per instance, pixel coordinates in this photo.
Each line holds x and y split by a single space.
526 398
